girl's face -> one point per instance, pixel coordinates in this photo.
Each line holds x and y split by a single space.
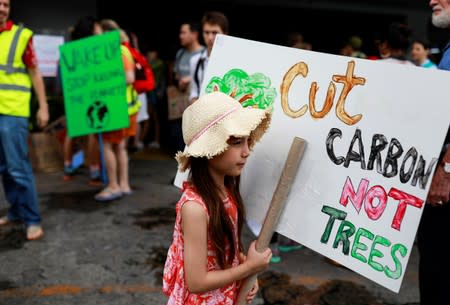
232 161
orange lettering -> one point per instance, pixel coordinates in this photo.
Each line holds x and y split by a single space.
349 82
299 68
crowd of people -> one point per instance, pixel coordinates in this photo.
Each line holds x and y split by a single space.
206 260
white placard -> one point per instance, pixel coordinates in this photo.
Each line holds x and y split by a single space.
47 53
370 155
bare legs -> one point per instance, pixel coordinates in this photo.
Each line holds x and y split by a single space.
116 158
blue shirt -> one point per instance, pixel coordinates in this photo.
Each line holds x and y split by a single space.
444 64
429 64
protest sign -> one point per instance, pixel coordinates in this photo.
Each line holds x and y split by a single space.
47 53
374 132
94 85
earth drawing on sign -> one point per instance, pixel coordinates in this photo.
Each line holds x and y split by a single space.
98 115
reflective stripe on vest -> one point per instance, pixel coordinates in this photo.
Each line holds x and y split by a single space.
15 82
14 87
133 103
9 68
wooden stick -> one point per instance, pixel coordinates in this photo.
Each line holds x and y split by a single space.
276 207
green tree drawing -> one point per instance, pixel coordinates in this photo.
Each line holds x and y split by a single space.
250 90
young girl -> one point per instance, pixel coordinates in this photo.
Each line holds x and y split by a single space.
205 262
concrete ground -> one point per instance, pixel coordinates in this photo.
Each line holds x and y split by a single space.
113 253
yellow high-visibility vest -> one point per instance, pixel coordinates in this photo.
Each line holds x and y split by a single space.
132 96
15 82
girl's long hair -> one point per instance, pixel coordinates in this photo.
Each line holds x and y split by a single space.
220 226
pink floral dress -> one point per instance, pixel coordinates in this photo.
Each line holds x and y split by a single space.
174 283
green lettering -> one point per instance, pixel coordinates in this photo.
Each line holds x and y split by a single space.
376 253
77 58
398 266
76 99
360 246
111 50
95 56
334 214
345 231
66 62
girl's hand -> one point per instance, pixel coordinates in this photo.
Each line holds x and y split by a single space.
242 258
257 261
251 295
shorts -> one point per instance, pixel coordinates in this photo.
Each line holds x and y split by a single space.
117 136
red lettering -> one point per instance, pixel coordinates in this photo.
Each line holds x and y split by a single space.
375 212
404 199
348 192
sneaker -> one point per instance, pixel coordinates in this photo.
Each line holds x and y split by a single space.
289 248
95 178
94 174
276 258
69 171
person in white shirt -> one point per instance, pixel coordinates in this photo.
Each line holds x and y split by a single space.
213 23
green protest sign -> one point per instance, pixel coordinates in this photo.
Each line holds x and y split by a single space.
94 87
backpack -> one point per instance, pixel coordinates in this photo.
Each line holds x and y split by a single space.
200 65
144 79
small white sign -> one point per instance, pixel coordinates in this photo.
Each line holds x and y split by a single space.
47 53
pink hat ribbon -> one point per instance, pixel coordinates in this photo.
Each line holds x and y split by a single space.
212 123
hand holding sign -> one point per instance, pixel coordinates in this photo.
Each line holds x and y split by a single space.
368 122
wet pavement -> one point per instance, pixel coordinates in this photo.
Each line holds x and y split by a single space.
113 253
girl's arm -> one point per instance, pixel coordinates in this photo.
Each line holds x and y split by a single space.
198 279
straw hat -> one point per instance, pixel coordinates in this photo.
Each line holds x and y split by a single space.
210 121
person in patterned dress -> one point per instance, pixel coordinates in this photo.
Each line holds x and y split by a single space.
205 262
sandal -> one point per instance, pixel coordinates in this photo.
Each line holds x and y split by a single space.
127 193
108 195
34 232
